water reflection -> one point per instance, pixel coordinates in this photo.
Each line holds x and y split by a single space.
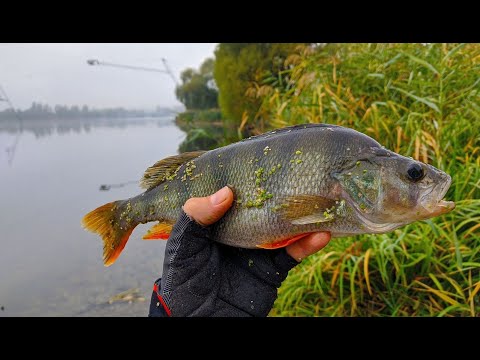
48 127
206 136
54 181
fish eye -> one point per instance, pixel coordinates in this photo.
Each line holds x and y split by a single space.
415 172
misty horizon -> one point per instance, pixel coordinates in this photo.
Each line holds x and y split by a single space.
60 74
38 112
174 107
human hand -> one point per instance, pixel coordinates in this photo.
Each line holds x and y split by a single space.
204 278
210 209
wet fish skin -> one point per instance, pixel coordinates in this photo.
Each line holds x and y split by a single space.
287 182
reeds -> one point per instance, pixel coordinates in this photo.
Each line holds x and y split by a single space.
420 100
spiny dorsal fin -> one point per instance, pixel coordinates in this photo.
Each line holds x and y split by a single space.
157 173
307 209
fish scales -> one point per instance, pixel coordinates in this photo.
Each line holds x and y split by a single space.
305 159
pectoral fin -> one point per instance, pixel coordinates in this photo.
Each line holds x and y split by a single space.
307 209
312 219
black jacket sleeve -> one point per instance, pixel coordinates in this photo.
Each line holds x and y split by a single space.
204 278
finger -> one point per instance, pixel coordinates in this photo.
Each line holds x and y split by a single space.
209 209
309 245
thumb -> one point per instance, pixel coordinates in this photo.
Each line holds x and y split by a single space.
209 209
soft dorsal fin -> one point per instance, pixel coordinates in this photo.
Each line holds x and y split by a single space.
159 171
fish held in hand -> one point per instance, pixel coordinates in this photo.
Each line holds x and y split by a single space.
287 183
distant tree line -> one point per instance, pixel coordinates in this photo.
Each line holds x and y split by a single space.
44 111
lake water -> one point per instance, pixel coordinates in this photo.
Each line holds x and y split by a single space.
49 265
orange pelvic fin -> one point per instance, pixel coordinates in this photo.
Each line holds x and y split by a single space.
159 231
283 243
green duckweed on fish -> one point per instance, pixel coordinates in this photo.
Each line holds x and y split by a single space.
287 184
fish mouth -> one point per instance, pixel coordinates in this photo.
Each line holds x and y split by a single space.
442 206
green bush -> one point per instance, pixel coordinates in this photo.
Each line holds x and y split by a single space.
238 66
198 89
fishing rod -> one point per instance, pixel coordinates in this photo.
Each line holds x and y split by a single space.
167 69
12 148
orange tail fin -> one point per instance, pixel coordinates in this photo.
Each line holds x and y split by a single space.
105 222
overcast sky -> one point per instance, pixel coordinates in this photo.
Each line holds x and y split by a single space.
59 73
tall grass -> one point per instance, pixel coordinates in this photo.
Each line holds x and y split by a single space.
418 100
